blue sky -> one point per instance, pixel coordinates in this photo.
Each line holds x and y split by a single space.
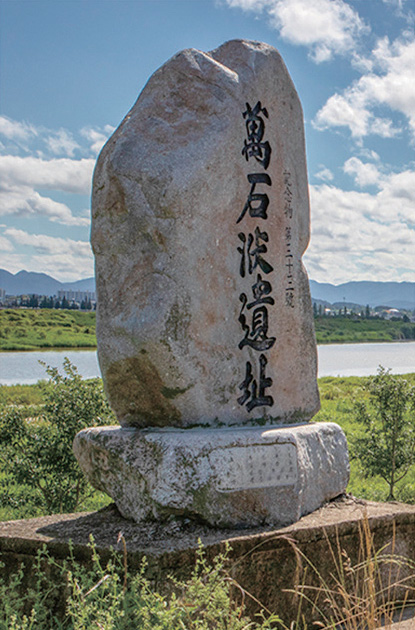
71 69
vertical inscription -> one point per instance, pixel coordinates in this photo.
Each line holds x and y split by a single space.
253 316
289 259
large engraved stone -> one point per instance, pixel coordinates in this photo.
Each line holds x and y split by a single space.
200 221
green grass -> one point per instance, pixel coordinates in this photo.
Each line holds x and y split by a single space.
23 395
357 330
338 396
30 329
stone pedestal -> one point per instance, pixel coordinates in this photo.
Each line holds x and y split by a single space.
228 477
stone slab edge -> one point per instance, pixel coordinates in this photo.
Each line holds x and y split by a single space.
341 517
239 477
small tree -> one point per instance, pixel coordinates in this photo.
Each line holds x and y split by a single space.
387 447
38 452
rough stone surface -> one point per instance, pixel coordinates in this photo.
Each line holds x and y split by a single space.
181 258
261 559
232 477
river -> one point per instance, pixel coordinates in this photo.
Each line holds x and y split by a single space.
360 359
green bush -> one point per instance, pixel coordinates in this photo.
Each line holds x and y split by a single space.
387 447
107 597
37 452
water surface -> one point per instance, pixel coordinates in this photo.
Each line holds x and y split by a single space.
355 359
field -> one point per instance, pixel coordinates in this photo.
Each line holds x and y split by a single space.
31 329
338 397
358 330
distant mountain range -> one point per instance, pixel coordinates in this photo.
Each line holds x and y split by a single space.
28 282
392 294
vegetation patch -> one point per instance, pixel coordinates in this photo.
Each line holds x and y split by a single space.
38 471
31 329
339 398
47 416
355 329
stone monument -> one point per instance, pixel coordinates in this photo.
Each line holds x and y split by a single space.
200 218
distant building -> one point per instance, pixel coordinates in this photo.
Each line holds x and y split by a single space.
392 313
2 295
77 296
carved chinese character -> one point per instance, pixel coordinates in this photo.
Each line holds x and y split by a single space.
255 125
289 297
251 257
253 391
255 128
261 290
257 203
255 334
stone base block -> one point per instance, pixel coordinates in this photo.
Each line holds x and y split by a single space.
229 477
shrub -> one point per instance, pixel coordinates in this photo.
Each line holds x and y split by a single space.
37 452
107 597
387 447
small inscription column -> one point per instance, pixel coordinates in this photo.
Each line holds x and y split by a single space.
289 258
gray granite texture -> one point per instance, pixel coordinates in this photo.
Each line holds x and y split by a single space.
229 477
200 218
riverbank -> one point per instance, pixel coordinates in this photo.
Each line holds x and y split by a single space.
353 329
36 329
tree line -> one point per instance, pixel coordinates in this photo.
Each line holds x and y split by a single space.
36 301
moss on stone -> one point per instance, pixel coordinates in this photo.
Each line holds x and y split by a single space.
173 392
137 394
178 321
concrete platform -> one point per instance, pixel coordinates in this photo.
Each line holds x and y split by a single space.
262 560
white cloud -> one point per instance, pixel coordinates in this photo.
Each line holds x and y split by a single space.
392 86
97 137
50 143
65 259
25 201
20 177
248 5
326 27
62 143
365 174
73 176
370 235
63 267
13 130
325 174
369 154
38 176
5 245
51 245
